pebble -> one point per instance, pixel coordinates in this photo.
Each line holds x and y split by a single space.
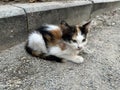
113 24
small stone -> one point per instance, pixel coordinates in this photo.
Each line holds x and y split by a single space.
113 24
11 36
11 31
23 58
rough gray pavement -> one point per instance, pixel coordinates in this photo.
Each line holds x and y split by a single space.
100 71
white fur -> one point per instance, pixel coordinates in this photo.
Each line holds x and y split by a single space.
79 40
52 27
36 42
68 54
54 50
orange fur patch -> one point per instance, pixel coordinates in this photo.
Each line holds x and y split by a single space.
57 34
77 28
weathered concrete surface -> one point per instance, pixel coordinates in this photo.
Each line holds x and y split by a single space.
100 71
54 12
10 11
13 26
101 6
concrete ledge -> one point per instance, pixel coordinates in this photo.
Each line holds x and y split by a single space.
54 12
13 26
17 19
10 11
101 6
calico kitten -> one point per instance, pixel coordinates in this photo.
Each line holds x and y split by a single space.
63 42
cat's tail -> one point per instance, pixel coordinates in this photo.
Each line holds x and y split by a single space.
28 49
33 53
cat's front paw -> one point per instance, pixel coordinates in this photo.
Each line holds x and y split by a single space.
78 59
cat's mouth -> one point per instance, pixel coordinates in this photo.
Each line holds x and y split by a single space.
79 48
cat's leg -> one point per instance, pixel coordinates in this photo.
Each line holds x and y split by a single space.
75 59
65 54
64 58
67 57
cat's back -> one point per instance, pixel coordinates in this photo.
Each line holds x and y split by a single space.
50 32
43 38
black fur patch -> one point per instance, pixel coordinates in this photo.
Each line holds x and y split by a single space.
68 34
44 32
42 55
28 49
84 29
53 58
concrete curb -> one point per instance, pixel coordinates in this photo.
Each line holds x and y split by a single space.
18 19
12 26
101 6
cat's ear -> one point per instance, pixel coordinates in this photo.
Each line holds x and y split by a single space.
85 28
64 25
87 25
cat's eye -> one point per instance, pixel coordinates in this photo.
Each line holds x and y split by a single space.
83 40
74 41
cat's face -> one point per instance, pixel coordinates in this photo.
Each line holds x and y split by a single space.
75 35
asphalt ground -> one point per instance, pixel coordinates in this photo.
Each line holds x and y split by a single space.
100 70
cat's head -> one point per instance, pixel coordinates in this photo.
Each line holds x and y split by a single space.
75 35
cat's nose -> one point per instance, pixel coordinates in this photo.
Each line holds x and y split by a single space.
79 48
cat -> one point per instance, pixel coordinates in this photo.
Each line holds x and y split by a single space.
61 42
